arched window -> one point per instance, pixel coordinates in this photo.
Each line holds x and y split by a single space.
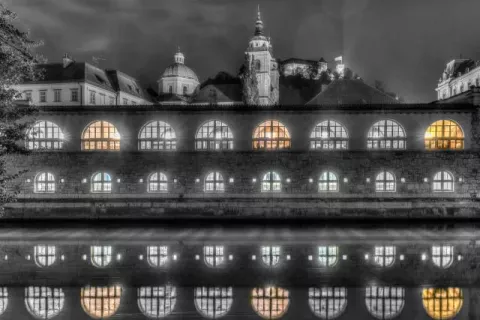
214 135
214 182
101 302
385 302
271 182
443 182
271 135
386 134
327 303
444 135
327 255
270 302
157 302
328 182
157 135
44 302
3 299
100 135
442 256
270 255
157 256
157 182
101 256
44 183
462 88
214 255
385 182
384 256
44 256
45 135
213 302
442 303
101 183
329 135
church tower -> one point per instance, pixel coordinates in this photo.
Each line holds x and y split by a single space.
260 57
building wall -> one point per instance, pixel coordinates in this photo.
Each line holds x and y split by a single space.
177 84
452 87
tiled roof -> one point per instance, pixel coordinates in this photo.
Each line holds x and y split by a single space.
75 72
460 67
219 93
351 92
124 83
179 70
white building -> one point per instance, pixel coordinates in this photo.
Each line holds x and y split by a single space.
458 77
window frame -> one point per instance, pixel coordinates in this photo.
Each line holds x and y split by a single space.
327 302
441 184
438 138
270 255
271 184
337 139
74 95
57 95
213 302
106 137
204 140
157 135
383 184
430 302
157 302
385 134
442 255
261 141
161 183
325 182
44 302
214 255
214 182
384 256
105 183
328 255
108 296
101 256
44 135
377 297
159 257
48 185
44 255
278 302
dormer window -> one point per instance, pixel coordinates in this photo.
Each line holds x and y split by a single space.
100 79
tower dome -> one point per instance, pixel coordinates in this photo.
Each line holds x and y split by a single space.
177 78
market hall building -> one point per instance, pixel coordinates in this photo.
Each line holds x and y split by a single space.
105 149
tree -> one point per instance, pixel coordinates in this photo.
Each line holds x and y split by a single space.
248 75
17 64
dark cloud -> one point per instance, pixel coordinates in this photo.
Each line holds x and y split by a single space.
405 43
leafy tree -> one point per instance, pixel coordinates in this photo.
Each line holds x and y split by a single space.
17 64
248 75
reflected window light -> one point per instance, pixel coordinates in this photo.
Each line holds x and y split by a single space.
213 302
100 135
157 135
384 256
157 256
444 135
270 302
270 255
442 255
101 302
214 135
442 303
385 302
101 256
328 302
271 135
157 302
44 255
329 135
44 302
328 256
214 255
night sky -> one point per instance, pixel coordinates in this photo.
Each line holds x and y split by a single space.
404 43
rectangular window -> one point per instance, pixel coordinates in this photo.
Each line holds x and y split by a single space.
74 95
43 96
125 101
57 95
92 97
102 99
112 101
28 95
134 103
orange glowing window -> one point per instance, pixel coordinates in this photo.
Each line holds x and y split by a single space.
101 302
100 135
271 135
444 135
270 302
442 303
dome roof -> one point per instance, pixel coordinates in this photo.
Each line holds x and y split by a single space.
179 70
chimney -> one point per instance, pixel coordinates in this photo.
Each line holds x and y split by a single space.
67 60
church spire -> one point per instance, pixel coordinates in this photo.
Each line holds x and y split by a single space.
179 57
259 23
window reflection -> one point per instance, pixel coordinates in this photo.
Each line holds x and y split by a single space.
271 135
444 135
270 302
101 302
442 303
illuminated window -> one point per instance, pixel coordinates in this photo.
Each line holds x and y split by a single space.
157 182
271 135
157 256
214 255
3 299
270 255
100 135
214 182
44 302
443 182
444 135
101 302
101 183
385 302
384 256
44 183
157 302
327 303
213 302
385 182
327 255
270 302
442 256
271 182
386 134
44 255
329 135
214 135
157 135
442 303
328 182
101 256
45 135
